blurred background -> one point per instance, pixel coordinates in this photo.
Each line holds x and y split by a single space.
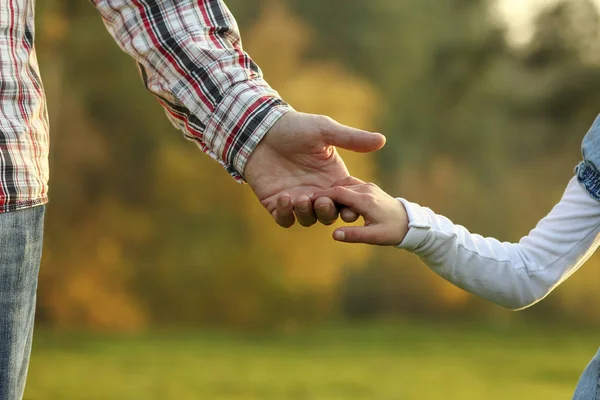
164 279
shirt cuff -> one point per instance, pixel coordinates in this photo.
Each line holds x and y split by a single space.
240 122
418 225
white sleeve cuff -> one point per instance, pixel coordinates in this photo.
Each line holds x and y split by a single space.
418 225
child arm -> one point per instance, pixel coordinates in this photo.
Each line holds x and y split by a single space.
513 275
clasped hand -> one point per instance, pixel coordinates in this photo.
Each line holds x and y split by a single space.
297 158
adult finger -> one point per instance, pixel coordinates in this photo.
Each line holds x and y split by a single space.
327 212
348 215
305 212
339 135
344 196
284 211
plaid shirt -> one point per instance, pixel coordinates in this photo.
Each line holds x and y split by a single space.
190 57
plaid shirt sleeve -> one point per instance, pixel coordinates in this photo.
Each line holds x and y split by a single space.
190 57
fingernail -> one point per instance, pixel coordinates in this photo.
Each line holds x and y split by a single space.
339 235
285 202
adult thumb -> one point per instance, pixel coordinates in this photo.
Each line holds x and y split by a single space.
345 137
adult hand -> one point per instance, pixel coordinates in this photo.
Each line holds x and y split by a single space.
297 158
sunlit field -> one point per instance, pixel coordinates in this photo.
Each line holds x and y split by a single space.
401 361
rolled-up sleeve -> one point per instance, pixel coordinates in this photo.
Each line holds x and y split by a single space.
587 170
190 57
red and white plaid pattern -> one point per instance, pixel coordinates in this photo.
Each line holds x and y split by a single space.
190 57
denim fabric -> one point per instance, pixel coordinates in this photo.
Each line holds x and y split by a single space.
587 170
21 235
588 387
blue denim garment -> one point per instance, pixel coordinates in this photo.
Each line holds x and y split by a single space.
588 387
20 252
589 383
587 170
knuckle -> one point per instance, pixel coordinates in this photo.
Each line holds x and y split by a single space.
372 186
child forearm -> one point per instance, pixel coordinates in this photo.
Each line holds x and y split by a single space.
513 275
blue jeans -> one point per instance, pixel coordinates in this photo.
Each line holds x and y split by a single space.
588 387
21 234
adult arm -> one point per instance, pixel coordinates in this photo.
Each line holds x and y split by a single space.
191 58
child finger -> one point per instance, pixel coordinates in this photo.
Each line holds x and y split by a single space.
348 181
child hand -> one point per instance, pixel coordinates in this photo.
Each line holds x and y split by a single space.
386 221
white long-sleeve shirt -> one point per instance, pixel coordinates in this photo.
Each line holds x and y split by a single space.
513 275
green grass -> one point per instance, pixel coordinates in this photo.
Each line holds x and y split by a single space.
404 361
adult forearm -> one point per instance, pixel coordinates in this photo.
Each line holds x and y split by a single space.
191 58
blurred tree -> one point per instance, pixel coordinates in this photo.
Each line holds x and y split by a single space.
144 229
257 271
480 131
